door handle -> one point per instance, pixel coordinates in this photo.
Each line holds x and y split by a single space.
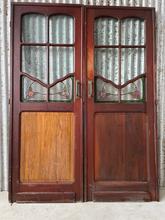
90 88
78 87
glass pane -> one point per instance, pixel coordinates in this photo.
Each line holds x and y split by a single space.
132 63
61 62
132 31
32 91
61 29
106 63
106 31
106 92
133 91
34 61
34 28
62 91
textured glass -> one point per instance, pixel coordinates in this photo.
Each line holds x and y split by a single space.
132 63
61 62
62 91
61 29
132 31
106 31
34 61
34 28
107 63
32 91
106 92
133 91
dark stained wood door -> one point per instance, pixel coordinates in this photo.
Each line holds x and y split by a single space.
83 119
121 123
46 139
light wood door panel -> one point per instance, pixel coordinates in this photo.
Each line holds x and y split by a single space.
47 147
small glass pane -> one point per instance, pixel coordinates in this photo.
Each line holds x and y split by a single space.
34 61
133 91
62 91
34 28
61 29
61 62
107 63
32 91
132 63
105 92
106 31
132 31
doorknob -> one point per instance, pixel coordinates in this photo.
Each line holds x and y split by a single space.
90 88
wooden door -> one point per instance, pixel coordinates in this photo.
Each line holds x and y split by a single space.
46 137
121 125
76 132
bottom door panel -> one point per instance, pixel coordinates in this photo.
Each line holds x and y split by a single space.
47 147
120 147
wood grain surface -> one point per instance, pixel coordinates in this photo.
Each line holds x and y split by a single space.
120 146
47 147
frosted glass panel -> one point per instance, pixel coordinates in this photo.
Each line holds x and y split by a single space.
62 91
61 29
132 31
32 91
106 31
107 63
132 63
106 92
133 91
34 61
34 28
61 62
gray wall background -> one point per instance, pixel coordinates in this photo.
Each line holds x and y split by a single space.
5 6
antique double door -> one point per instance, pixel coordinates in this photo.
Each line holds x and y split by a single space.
83 104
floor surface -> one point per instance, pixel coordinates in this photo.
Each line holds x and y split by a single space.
83 211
